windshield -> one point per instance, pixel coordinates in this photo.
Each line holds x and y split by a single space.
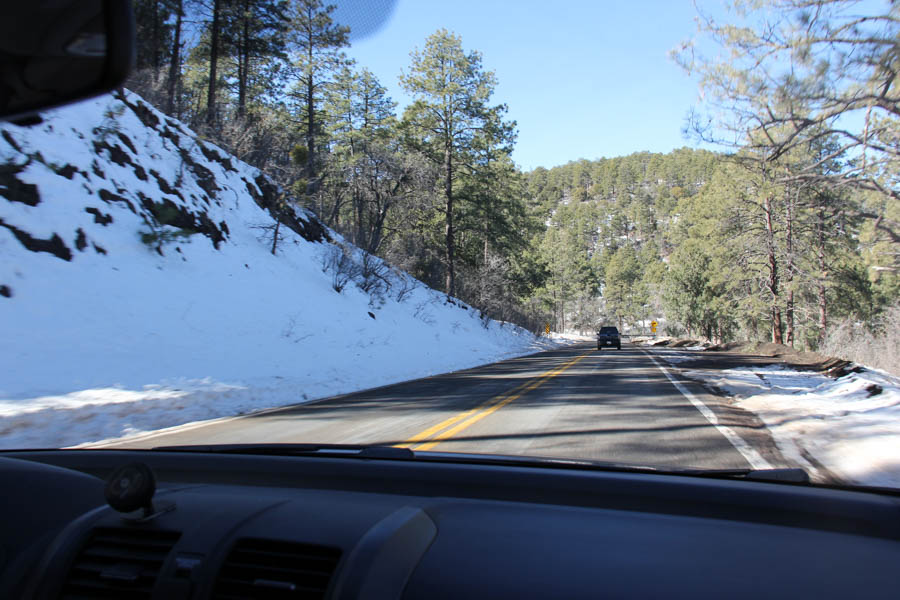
397 223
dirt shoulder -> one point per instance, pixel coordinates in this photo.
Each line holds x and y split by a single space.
744 354
769 353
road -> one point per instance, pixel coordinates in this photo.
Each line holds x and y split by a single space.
612 406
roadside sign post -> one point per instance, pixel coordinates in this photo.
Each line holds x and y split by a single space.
653 325
547 328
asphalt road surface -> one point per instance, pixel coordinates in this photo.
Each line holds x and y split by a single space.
625 406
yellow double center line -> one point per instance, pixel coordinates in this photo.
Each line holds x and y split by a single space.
444 430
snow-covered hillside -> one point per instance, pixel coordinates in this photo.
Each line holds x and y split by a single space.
139 290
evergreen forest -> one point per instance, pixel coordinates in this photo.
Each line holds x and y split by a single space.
779 220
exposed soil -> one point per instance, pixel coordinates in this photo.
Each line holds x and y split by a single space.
15 190
140 109
770 353
730 355
54 245
99 217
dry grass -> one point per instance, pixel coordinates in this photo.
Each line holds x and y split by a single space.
874 345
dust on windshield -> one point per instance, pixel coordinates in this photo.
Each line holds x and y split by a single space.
294 204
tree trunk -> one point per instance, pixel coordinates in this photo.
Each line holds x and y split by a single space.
334 216
789 319
448 193
789 310
487 232
243 60
360 212
310 112
359 215
384 205
157 43
823 270
275 236
772 284
175 62
213 64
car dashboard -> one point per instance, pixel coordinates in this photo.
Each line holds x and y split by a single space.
245 526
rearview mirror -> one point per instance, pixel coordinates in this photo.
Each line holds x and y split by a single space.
53 52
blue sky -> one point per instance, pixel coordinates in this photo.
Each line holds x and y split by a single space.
583 79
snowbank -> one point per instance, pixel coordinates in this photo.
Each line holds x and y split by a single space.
139 290
851 425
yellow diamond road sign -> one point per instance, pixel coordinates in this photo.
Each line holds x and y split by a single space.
653 325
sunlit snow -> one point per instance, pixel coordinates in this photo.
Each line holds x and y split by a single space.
851 424
120 339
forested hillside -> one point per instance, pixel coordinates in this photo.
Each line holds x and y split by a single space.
606 239
678 237
785 230
431 188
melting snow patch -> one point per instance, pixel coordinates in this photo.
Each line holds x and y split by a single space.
674 357
851 425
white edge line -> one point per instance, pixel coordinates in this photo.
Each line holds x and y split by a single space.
140 437
146 435
753 457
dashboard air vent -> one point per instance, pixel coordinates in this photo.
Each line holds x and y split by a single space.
118 563
270 569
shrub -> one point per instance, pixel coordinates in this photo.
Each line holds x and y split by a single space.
158 237
875 344
337 260
373 275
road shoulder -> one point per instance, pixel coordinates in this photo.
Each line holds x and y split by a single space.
751 430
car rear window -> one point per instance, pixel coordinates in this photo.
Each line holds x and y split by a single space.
608 330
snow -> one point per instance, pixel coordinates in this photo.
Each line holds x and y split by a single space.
662 341
121 340
674 356
844 424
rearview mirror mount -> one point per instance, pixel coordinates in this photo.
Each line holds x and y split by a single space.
54 52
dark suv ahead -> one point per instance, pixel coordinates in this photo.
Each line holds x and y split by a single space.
608 336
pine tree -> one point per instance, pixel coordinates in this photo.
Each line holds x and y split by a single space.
215 32
316 42
175 58
253 36
153 34
796 72
452 122
365 166
623 291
